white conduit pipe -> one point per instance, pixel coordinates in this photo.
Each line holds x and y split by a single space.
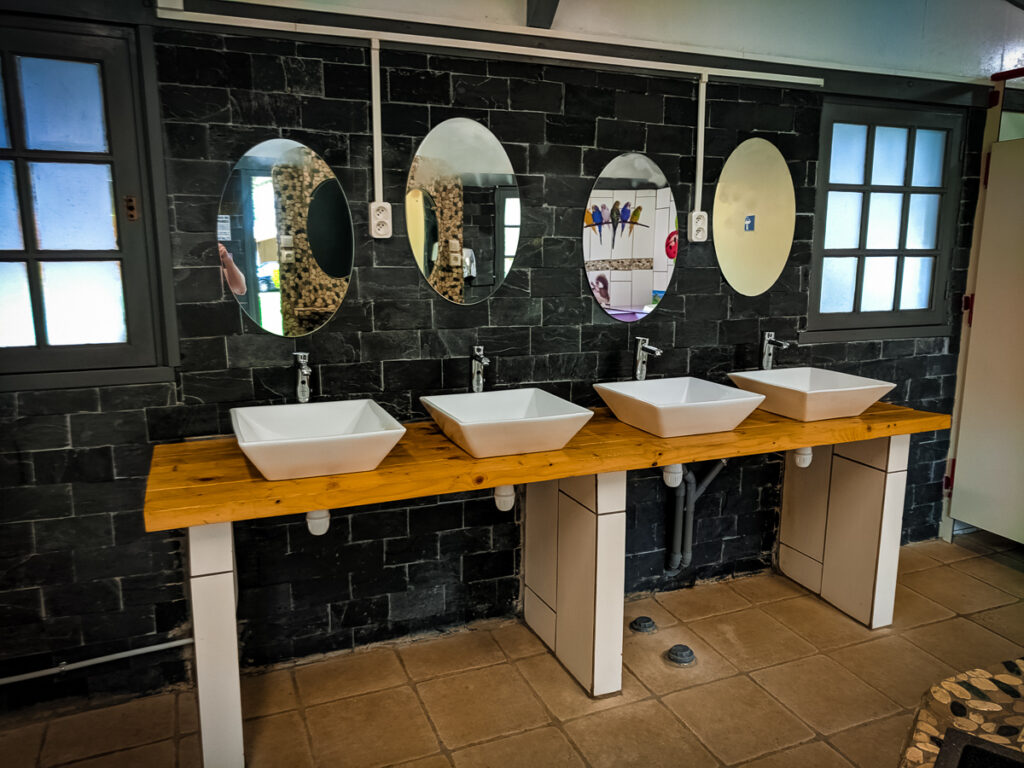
698 182
378 172
98 660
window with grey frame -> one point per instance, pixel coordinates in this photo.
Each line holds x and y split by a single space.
78 275
888 196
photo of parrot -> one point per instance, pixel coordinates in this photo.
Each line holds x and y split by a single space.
597 219
612 219
634 219
623 218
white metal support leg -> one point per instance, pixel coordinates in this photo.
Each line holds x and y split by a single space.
212 585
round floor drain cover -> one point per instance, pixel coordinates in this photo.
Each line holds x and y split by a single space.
682 655
643 624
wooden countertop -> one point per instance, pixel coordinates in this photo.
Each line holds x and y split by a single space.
211 481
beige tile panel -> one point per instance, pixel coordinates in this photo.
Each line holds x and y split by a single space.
268 693
1008 621
737 720
751 639
963 644
20 746
565 697
877 744
824 694
349 675
818 622
701 601
271 742
544 746
363 731
993 572
649 607
766 588
465 650
899 669
82 735
816 755
645 735
480 705
956 590
644 656
913 610
942 551
517 641
159 755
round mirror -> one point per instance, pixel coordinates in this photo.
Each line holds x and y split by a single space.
754 217
285 237
630 237
462 211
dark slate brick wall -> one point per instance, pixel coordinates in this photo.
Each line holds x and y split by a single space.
80 578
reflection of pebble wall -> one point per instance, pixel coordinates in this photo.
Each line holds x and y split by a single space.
309 297
446 192
626 265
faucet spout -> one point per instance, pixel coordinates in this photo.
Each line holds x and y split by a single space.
768 347
479 361
302 386
644 348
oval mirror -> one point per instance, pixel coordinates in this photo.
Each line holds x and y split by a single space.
754 217
285 237
630 237
462 211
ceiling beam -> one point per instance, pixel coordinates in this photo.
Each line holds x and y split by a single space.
540 13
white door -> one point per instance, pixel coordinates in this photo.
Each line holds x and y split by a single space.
988 489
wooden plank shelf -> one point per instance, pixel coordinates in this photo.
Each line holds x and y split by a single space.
200 482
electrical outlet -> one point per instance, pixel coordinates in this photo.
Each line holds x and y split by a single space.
697 227
380 220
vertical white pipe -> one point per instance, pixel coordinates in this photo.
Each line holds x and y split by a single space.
698 181
378 172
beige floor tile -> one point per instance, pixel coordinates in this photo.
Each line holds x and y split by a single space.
159 755
737 720
899 669
942 551
649 607
349 675
518 641
963 644
913 559
913 610
434 761
956 590
375 729
481 704
701 601
189 753
544 746
82 735
995 573
1008 621
644 656
816 755
20 746
271 742
876 744
766 587
188 712
642 734
466 650
268 693
819 623
564 696
752 639
827 696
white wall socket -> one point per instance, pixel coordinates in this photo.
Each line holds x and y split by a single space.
697 227
380 220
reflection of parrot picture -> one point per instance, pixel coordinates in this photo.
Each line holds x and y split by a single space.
612 219
623 218
634 219
588 219
598 219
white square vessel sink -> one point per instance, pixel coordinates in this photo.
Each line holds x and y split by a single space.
678 406
812 394
310 439
504 422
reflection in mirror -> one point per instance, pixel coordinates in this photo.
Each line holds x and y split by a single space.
285 238
462 211
630 237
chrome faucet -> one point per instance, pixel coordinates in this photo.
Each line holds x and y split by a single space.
302 389
643 349
479 361
768 347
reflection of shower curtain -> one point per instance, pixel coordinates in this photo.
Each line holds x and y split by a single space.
309 297
446 192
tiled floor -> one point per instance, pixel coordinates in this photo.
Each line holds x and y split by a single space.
782 681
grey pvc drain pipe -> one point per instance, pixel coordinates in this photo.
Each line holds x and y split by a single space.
686 496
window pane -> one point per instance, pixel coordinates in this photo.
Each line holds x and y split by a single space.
879 284
5 140
73 206
10 221
929 148
16 329
512 212
511 241
884 220
922 220
63 105
838 280
890 157
842 220
847 163
84 302
917 282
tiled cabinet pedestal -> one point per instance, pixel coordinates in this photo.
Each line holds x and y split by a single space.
841 521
